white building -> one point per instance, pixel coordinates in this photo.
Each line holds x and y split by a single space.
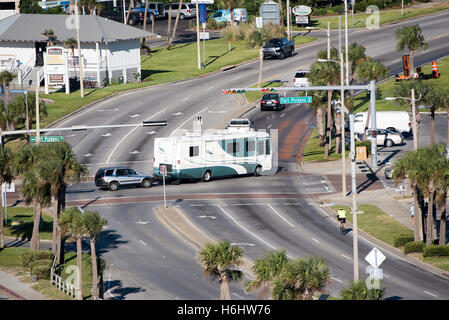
110 50
8 8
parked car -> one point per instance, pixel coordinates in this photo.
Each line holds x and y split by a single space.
154 8
300 79
271 101
116 14
113 177
240 15
278 47
388 138
398 121
188 10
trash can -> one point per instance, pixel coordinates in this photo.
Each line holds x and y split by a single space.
360 153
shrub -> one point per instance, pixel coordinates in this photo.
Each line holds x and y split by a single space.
41 268
436 250
32 256
402 239
414 246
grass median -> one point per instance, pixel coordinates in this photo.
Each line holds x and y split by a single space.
314 153
24 230
359 20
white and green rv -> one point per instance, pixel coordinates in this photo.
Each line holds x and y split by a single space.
224 153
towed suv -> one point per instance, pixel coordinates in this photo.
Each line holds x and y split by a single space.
113 177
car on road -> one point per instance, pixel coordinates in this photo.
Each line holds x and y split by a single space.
188 10
278 47
271 101
388 138
116 14
155 9
113 177
300 79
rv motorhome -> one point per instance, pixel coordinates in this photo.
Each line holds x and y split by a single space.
224 153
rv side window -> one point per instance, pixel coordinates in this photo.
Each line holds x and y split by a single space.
260 148
267 147
194 151
250 146
232 147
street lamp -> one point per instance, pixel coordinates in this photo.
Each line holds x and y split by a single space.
412 100
328 37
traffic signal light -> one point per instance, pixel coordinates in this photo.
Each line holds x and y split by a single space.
267 90
233 91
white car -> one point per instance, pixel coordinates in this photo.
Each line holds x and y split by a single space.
300 79
388 138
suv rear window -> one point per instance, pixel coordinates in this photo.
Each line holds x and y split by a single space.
270 96
109 172
192 6
300 75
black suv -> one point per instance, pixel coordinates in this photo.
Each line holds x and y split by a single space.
116 14
271 101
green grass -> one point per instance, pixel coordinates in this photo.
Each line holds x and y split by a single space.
361 102
160 67
385 16
314 153
377 223
25 231
11 258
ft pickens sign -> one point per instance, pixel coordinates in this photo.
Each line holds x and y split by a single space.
302 10
48 139
287 100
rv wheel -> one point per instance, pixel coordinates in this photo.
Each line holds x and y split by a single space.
258 171
206 176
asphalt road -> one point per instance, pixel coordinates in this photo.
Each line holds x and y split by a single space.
179 103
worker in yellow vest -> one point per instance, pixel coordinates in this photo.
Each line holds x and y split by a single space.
341 217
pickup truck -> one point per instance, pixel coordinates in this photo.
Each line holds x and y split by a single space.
278 47
151 11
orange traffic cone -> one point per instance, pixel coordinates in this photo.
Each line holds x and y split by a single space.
435 69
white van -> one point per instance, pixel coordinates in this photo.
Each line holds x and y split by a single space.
398 121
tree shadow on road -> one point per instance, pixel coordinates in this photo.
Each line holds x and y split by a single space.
116 291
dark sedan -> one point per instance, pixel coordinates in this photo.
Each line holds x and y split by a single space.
271 101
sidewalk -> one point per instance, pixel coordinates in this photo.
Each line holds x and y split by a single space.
14 289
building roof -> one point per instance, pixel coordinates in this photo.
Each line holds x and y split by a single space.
29 27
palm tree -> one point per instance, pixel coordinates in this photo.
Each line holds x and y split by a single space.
93 224
218 261
145 16
172 37
71 43
6 176
6 77
359 291
72 221
369 70
267 269
326 73
412 39
169 20
301 279
356 57
50 35
407 167
319 105
131 5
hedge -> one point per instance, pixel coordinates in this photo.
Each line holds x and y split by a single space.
41 268
414 246
402 239
436 250
31 256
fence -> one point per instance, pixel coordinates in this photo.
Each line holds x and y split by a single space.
63 285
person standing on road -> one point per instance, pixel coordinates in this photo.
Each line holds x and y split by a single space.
341 217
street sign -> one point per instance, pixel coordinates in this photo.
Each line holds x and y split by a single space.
375 258
204 36
286 100
48 139
163 170
203 1
259 22
8 187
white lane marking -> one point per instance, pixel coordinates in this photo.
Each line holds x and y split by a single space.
105 110
269 126
221 111
109 284
431 294
70 135
346 257
177 114
151 132
197 114
106 135
282 115
135 152
196 205
203 217
210 87
87 155
245 244
142 222
336 279
237 295
242 227
315 240
280 216
248 204
185 99
134 115
143 243
126 136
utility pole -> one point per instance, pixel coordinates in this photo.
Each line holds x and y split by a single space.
328 40
342 95
415 132
372 88
38 134
288 20
346 42
198 34
354 202
80 59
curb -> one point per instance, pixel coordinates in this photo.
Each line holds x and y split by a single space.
14 294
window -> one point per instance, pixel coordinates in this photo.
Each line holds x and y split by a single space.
232 147
120 172
267 146
131 172
260 148
194 151
109 173
250 146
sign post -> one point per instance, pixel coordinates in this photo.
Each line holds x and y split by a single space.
6 188
375 259
163 172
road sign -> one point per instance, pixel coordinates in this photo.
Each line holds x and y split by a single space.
375 258
163 170
259 22
48 139
203 1
204 36
286 100
8 187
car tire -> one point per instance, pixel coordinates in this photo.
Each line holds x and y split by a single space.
182 16
258 171
389 143
282 55
207 175
113 186
146 183
132 21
